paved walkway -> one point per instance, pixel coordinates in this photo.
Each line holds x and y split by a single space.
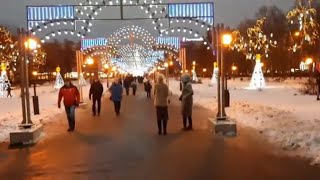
128 147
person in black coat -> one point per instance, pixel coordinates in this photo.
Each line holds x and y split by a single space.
95 94
9 90
134 87
317 76
148 88
126 85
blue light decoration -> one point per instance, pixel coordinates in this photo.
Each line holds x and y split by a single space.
37 14
89 43
171 41
202 11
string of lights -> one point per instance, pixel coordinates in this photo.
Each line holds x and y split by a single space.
305 27
256 42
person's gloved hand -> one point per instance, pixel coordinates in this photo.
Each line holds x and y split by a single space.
180 98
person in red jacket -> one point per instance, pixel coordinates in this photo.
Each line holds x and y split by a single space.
71 100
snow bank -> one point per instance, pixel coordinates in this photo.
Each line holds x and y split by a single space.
11 109
279 112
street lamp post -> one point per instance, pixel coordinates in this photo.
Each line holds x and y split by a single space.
222 125
166 65
32 45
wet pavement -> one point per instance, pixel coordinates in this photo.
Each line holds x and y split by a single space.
128 147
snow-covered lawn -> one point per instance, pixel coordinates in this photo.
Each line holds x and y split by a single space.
11 109
279 112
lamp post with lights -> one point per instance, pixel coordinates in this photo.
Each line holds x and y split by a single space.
32 45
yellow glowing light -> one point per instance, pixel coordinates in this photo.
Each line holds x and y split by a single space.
204 70
187 71
194 63
297 33
226 39
31 44
106 66
35 73
171 63
54 73
309 61
90 61
234 68
114 68
166 65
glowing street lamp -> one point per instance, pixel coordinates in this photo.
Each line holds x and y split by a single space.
35 73
234 68
297 34
204 70
309 61
31 44
171 63
226 39
90 61
166 65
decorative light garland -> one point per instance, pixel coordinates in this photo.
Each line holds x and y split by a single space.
9 51
304 16
256 41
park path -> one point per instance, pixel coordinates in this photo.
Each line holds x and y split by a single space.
128 147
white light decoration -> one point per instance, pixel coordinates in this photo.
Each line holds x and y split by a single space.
257 80
308 32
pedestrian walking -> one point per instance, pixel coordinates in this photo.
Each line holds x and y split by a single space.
71 100
95 93
134 87
126 85
317 76
148 88
9 90
186 99
161 95
116 96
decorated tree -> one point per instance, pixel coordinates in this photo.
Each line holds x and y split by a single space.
59 80
4 81
9 51
215 74
304 26
254 45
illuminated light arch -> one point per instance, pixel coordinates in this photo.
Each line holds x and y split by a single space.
134 32
190 31
49 35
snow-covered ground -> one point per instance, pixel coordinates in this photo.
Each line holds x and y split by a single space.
279 112
11 109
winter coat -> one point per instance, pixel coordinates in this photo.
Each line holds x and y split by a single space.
148 86
126 83
161 94
96 90
134 85
116 92
70 96
187 99
317 77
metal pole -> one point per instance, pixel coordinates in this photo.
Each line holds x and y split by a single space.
22 73
216 33
223 77
27 83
